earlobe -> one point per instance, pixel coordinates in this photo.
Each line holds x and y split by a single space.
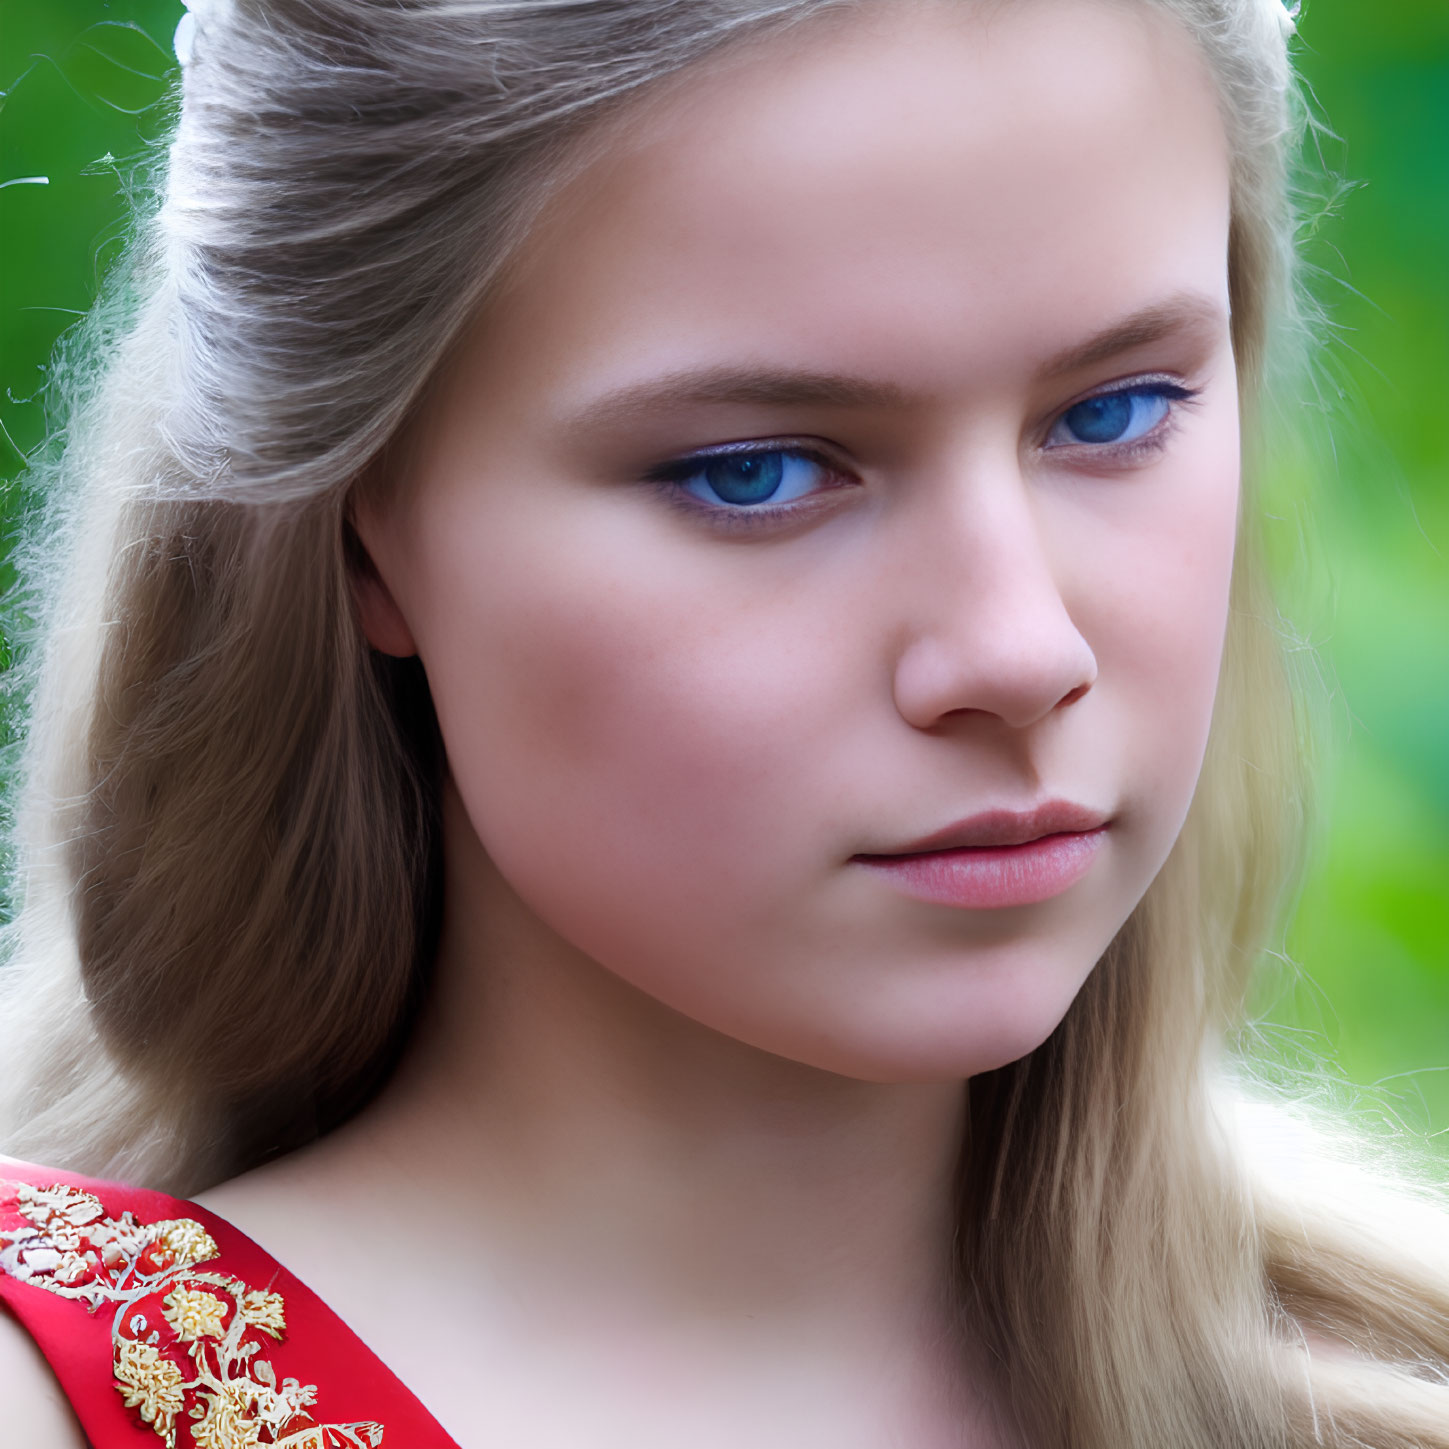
382 622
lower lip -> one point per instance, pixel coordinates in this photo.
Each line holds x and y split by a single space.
990 877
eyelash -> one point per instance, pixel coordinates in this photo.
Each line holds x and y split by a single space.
669 478
671 475
1150 444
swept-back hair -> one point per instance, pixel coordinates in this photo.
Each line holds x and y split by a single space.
227 836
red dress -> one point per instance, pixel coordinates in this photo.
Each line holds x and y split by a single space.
162 1321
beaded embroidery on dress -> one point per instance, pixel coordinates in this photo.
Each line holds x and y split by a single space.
190 1346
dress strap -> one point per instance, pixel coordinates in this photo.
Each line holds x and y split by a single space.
161 1320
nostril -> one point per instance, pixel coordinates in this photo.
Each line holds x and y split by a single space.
1072 696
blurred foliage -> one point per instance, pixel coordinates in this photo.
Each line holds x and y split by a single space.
1360 530
1361 541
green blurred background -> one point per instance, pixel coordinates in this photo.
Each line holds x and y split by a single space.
1360 528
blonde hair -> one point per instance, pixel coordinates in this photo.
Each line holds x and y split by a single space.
227 833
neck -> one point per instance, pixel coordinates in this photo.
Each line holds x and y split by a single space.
633 1151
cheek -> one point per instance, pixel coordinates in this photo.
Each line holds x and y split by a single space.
619 722
1156 612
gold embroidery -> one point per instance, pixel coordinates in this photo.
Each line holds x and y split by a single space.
193 1314
152 1384
214 1370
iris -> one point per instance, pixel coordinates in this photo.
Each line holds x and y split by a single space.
1114 417
745 477
1101 419
742 479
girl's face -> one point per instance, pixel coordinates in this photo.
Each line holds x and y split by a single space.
847 473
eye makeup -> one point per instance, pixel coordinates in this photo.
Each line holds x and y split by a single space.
747 486
761 484
1122 425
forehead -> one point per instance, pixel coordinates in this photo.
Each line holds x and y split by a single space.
935 192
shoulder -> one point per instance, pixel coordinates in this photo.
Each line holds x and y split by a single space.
35 1410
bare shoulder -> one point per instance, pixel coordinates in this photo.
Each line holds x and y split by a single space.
35 1412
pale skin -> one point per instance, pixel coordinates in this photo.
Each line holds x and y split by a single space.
681 1120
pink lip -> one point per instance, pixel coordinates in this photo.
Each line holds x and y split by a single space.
998 858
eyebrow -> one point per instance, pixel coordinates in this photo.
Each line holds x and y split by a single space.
1186 312
785 388
737 386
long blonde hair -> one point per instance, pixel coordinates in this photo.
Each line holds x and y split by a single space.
227 835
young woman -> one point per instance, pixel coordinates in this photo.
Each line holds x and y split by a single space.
660 756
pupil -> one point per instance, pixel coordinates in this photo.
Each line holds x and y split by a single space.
1101 419
747 479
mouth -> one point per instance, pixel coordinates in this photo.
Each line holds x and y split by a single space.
997 859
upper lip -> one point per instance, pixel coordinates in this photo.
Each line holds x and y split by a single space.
1008 827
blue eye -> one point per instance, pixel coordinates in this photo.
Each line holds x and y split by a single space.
745 479
1116 417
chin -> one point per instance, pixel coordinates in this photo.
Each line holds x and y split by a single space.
958 1041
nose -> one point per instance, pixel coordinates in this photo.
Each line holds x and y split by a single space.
985 628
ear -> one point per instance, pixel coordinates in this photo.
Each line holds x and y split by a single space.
383 625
